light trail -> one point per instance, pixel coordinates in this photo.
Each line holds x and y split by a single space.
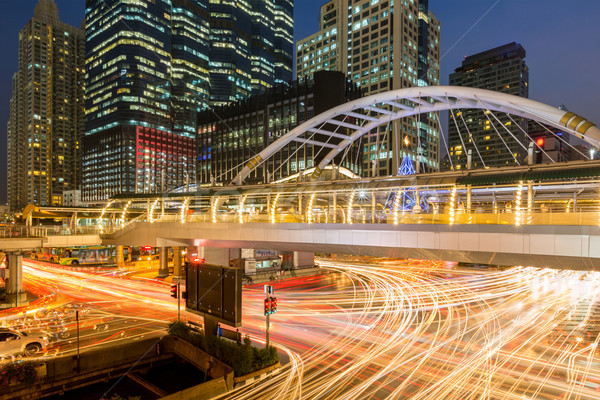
421 331
382 329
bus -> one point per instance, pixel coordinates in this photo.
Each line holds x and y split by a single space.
88 255
52 254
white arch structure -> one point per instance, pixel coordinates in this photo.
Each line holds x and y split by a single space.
362 115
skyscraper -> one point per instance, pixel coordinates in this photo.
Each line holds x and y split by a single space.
502 69
382 45
152 65
46 111
251 47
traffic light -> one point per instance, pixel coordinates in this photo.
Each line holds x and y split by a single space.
174 290
267 306
540 142
273 304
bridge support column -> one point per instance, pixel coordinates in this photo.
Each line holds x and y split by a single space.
163 270
469 199
15 295
334 213
529 197
373 207
119 256
177 270
303 259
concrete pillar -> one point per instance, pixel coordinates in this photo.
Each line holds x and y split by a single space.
469 158
529 197
334 214
119 256
469 199
373 207
300 210
177 270
303 259
15 295
530 154
163 270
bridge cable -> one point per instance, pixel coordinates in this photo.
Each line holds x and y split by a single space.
350 145
472 139
528 136
498 133
444 140
505 128
563 140
455 124
299 147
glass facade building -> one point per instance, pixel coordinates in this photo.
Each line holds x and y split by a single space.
251 47
46 111
232 134
382 46
501 69
152 65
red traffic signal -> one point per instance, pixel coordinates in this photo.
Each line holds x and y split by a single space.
540 142
267 306
174 291
273 304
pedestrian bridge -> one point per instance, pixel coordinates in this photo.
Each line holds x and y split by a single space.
532 216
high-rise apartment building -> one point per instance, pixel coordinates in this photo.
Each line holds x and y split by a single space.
46 111
501 69
382 46
152 65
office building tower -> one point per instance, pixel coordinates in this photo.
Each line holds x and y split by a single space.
382 46
251 47
190 34
232 134
151 66
146 76
501 69
46 111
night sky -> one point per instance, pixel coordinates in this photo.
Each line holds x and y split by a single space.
562 40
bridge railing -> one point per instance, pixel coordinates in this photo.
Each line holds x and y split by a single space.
458 217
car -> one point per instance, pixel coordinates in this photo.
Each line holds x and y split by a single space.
13 342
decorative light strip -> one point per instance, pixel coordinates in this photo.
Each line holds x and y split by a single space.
452 205
396 206
350 203
518 212
213 210
274 208
102 215
184 207
309 209
123 214
152 208
241 209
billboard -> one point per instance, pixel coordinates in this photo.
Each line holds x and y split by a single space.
215 291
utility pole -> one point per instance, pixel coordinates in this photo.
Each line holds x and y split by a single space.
178 301
77 319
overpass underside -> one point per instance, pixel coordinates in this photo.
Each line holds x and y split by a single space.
560 246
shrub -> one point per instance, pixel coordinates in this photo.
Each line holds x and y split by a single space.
19 372
243 358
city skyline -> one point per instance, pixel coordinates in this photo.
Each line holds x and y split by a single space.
552 39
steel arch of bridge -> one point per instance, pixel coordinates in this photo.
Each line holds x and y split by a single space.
382 108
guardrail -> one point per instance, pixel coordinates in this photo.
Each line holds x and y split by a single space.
458 217
22 231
